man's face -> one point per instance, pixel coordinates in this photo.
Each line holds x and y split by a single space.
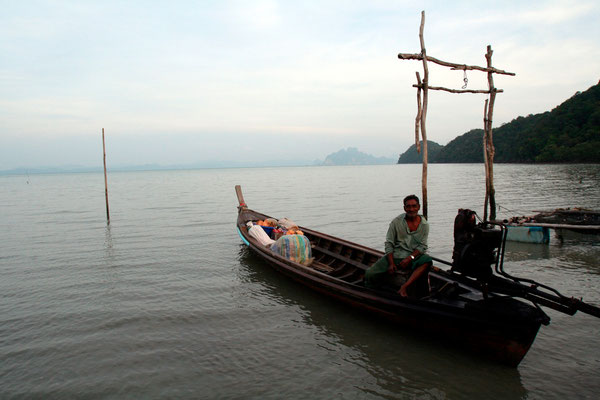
412 208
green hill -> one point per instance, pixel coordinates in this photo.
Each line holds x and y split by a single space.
411 156
467 148
570 133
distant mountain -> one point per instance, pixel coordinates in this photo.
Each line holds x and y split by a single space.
411 156
570 133
351 156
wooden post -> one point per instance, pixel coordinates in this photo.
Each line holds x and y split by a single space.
489 139
105 179
419 113
424 113
485 161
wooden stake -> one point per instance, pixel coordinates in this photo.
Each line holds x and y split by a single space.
419 114
485 161
424 113
105 179
488 133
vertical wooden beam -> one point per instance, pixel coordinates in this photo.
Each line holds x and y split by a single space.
105 179
488 132
424 114
485 160
419 114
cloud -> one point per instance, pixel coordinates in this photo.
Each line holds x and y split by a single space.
327 71
554 13
255 15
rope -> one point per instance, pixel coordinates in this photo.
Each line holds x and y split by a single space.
513 212
465 79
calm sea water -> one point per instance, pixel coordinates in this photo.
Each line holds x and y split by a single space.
167 303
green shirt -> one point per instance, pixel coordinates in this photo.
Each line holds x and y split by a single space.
401 241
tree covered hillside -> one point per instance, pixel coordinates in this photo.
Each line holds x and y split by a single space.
411 156
570 133
467 148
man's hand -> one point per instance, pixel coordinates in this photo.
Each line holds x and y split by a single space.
392 268
391 265
405 263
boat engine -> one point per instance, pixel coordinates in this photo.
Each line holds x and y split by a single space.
476 246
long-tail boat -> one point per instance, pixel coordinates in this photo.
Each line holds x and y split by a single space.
489 312
535 229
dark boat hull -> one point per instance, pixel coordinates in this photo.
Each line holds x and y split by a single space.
500 328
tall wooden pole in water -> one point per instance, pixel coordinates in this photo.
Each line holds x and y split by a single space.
489 142
105 179
423 114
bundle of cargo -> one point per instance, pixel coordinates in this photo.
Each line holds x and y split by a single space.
283 237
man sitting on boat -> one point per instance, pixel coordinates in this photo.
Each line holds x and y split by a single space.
405 247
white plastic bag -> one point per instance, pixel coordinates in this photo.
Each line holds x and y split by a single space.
258 233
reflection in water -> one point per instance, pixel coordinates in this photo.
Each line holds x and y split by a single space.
110 273
566 236
108 242
577 253
402 363
517 251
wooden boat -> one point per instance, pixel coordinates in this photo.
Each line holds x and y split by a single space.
528 234
486 318
535 229
575 219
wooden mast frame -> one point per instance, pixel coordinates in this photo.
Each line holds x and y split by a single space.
420 121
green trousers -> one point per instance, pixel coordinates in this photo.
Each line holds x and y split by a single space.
378 272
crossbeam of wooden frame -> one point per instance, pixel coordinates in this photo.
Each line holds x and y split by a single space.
453 66
458 90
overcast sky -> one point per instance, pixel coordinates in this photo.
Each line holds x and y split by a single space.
176 82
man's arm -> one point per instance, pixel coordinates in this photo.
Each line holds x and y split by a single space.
391 265
422 240
390 238
421 248
408 260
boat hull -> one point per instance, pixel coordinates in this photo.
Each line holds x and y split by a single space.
483 326
528 234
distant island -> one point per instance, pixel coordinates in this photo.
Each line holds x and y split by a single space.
351 156
570 133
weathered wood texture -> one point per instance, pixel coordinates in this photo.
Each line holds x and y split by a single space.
105 179
419 114
489 148
424 114
453 66
457 90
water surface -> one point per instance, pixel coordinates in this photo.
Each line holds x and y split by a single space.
167 303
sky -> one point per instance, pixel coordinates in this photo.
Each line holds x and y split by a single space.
184 82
